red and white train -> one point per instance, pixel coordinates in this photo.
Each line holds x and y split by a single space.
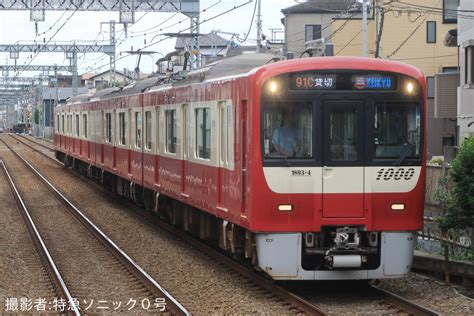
313 169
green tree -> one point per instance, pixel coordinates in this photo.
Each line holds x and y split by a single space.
460 210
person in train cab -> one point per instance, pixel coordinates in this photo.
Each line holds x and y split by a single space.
285 137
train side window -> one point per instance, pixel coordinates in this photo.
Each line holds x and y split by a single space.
77 125
203 133
108 127
138 130
57 123
62 124
84 125
122 125
224 132
170 116
148 130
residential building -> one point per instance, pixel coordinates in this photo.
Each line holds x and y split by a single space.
465 108
398 30
104 79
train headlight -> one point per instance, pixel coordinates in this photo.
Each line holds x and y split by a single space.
398 207
410 87
285 207
273 87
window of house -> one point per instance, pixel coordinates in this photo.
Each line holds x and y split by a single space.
170 131
138 130
431 32
312 32
148 130
469 65
84 126
108 127
122 126
203 133
450 13
450 69
430 87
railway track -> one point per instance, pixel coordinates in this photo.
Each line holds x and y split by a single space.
87 264
385 302
49 147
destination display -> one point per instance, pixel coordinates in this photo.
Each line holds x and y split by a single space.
361 82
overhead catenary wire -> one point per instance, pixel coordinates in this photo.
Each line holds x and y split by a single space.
120 41
49 40
235 7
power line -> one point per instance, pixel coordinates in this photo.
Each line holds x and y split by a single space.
235 7
251 23
409 36
427 57
50 39
348 43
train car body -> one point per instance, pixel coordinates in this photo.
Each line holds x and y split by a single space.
312 168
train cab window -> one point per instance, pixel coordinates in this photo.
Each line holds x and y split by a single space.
77 125
203 133
397 131
170 116
84 126
343 131
148 130
108 127
288 130
122 125
138 130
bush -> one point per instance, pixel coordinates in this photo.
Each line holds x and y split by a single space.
460 213
460 208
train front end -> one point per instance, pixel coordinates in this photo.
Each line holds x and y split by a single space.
340 192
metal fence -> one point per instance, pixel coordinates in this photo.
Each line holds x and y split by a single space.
431 238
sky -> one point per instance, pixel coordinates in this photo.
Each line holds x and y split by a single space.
86 28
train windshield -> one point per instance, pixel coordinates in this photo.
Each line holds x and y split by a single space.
397 131
288 130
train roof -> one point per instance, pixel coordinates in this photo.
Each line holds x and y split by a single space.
243 64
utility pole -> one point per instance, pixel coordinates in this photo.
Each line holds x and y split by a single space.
259 25
112 57
364 28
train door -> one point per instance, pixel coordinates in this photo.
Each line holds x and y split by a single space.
343 159
243 153
185 136
103 136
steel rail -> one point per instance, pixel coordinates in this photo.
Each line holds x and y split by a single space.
171 303
404 304
38 151
295 300
300 303
48 261
34 142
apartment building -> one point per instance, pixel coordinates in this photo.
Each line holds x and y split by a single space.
406 31
465 108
